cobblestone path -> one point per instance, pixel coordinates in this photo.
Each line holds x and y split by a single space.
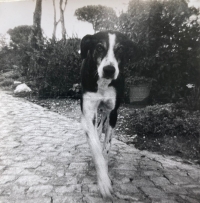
44 158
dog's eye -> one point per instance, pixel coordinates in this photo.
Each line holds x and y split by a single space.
120 49
100 48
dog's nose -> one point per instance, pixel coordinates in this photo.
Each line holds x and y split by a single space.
108 71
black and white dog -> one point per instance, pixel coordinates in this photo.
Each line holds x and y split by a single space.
102 80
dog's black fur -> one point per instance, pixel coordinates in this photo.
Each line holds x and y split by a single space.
102 79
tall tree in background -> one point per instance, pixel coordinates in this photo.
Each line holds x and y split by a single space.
134 22
20 35
101 17
36 34
63 4
169 39
62 7
146 18
55 21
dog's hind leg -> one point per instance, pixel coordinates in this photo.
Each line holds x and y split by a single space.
107 140
101 124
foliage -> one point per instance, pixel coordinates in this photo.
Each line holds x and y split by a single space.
53 68
162 123
6 55
7 79
167 32
6 82
2 41
139 80
163 120
50 69
11 74
101 17
10 55
134 23
8 58
75 91
191 100
20 35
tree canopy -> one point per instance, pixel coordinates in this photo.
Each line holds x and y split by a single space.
101 17
20 35
168 34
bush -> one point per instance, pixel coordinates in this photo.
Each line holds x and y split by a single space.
2 78
191 100
75 91
11 74
167 33
158 121
159 126
7 79
7 59
6 82
54 67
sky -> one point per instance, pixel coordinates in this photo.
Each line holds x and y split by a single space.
15 13
20 12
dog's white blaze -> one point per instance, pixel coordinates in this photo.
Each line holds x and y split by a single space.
109 59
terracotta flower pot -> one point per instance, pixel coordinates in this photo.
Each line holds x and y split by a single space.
139 93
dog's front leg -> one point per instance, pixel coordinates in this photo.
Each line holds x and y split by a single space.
109 131
89 114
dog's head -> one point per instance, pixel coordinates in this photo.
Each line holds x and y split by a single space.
108 50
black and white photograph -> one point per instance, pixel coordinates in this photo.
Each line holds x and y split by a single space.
99 101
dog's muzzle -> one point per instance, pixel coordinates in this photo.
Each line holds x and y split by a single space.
108 72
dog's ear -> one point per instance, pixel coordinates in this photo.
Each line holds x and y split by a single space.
86 44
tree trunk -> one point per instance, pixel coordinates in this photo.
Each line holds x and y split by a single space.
36 35
62 19
55 22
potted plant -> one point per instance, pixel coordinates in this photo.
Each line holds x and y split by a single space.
139 90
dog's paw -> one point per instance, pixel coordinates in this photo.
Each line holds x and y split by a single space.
105 187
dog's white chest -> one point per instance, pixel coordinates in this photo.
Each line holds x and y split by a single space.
105 94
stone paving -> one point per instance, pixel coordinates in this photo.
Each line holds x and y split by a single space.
44 158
